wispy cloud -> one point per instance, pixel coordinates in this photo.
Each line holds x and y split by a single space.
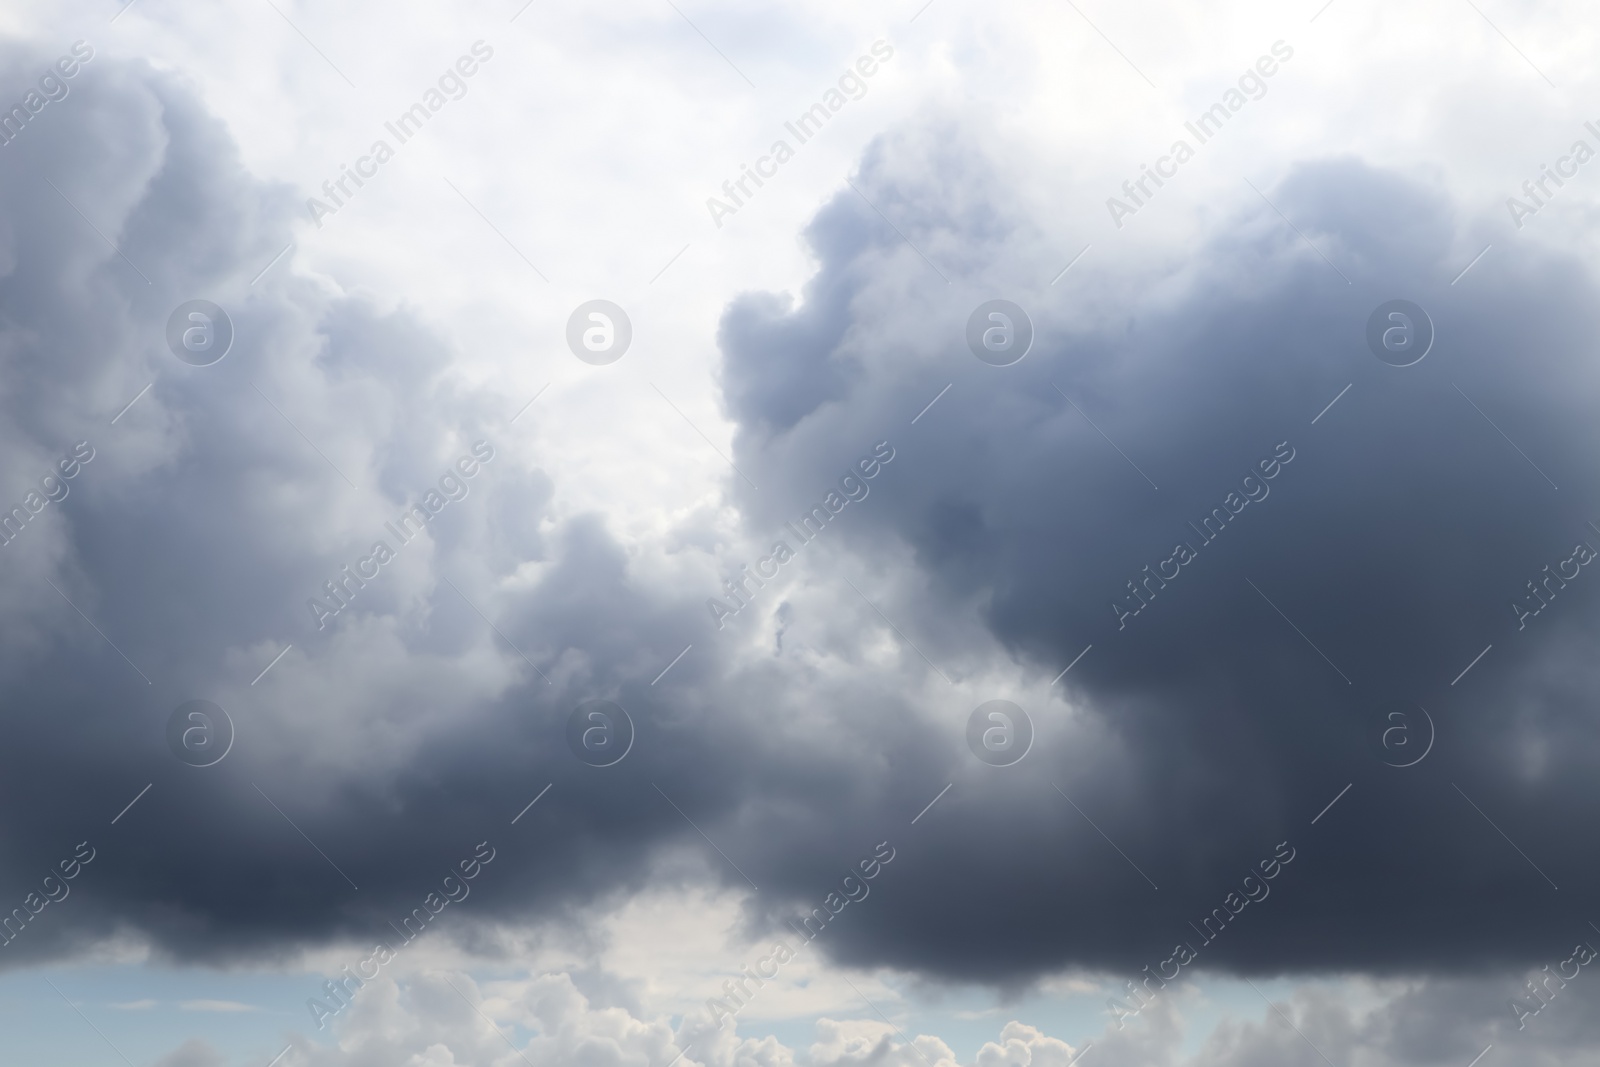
215 1005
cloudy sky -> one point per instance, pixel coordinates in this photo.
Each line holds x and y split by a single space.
827 534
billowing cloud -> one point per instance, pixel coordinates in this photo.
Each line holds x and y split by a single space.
1178 792
1325 577
448 1017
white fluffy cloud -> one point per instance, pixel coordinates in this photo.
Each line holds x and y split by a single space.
448 1017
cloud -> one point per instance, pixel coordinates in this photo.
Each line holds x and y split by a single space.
840 1044
449 1017
216 1006
1192 740
1207 729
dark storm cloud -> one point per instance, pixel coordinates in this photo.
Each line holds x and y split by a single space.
383 746
196 535
1396 538
1203 734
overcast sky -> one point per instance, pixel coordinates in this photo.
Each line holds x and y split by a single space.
808 534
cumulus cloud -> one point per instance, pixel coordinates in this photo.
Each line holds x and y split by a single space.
1203 728
448 1017
1017 526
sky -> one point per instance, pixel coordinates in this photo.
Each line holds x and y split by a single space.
799 535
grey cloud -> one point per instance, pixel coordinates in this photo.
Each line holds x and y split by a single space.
1196 739
408 729
1396 539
